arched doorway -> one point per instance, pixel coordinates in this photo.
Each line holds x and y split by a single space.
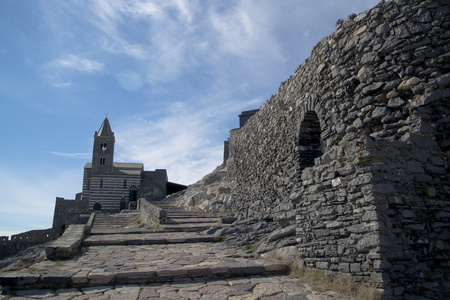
97 207
310 143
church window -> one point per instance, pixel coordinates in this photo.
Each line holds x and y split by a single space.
101 183
102 160
103 146
124 183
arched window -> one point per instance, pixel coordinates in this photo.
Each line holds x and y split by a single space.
310 143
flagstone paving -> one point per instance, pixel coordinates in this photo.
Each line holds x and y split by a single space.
249 288
119 261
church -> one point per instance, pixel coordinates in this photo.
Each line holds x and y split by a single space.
110 186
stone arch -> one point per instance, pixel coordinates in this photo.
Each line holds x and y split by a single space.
310 143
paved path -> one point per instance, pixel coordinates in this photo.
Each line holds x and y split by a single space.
120 261
250 288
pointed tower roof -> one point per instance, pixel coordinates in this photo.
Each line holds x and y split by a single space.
105 129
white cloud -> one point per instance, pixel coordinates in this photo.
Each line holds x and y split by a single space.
72 155
78 63
246 30
57 71
184 141
63 84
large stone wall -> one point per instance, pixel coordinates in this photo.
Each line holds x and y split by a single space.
354 149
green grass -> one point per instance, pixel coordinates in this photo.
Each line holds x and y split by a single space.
252 248
156 227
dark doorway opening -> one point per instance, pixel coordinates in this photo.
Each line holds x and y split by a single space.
97 207
310 143
133 195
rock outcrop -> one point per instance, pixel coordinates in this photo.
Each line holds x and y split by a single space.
215 192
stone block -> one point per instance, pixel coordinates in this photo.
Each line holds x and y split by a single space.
430 98
323 265
200 271
80 278
271 267
407 84
245 269
219 269
18 279
171 273
100 278
57 278
35 294
135 276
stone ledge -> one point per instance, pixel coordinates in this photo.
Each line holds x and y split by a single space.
84 278
67 245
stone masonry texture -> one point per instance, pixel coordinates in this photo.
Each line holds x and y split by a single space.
354 151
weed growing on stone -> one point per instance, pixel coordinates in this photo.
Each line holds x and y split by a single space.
320 281
340 283
223 238
252 248
157 227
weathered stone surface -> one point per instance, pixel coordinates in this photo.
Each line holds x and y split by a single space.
67 245
385 119
407 84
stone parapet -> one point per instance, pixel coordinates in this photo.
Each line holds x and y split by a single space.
149 214
68 244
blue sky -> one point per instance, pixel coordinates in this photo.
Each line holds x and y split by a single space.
172 77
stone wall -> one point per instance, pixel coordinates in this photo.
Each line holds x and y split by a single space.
23 241
153 185
354 149
68 212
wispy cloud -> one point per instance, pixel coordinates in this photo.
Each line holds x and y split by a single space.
184 141
78 63
63 84
72 155
61 72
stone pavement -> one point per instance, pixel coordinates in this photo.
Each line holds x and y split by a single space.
249 288
121 261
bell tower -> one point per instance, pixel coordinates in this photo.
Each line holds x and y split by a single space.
103 153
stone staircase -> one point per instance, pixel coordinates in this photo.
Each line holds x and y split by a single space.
117 251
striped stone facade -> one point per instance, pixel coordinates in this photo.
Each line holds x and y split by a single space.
112 191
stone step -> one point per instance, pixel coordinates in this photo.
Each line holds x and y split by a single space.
191 226
164 228
183 215
103 220
124 230
184 220
252 287
139 264
149 239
